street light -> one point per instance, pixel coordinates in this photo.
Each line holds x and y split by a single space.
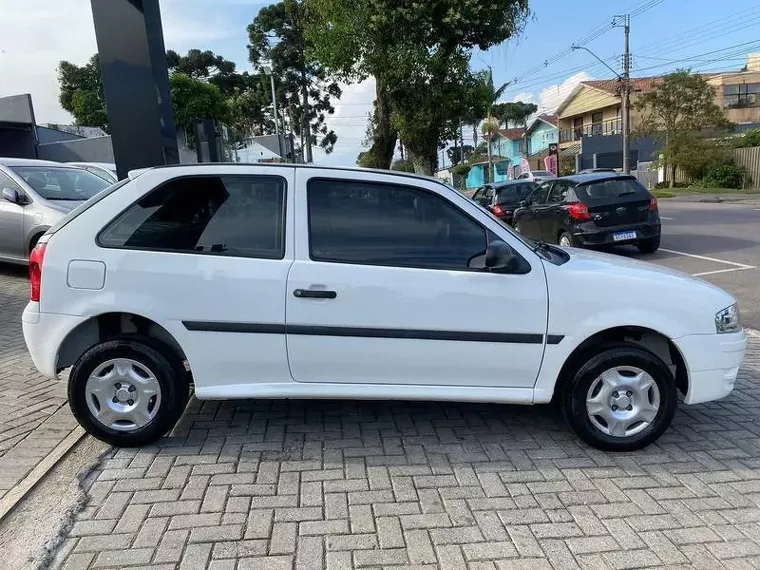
268 71
626 106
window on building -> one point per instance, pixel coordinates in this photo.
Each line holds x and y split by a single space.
741 95
596 123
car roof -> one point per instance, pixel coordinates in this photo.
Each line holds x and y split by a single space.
292 165
510 183
596 177
31 162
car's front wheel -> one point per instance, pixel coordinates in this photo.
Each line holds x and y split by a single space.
621 399
128 392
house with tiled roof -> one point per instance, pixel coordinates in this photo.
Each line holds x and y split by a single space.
590 117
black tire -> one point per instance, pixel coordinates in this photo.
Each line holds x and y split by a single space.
570 238
160 360
518 228
573 397
649 245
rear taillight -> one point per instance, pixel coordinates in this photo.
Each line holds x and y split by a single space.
35 269
578 211
652 204
497 211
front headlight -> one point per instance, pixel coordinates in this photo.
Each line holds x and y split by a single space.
727 320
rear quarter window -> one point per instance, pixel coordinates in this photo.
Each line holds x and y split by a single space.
612 189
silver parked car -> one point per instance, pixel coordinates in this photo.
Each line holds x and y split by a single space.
106 170
35 195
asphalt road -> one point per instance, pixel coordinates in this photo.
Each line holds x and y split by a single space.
728 234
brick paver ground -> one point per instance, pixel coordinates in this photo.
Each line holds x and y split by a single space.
33 413
252 485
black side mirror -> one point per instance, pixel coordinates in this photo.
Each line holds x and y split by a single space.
11 195
499 256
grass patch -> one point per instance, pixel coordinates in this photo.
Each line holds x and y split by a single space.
662 194
703 190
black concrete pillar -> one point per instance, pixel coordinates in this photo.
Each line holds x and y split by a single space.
136 80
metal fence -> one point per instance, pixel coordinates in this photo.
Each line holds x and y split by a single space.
749 159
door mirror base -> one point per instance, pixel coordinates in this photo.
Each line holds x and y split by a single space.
500 258
11 196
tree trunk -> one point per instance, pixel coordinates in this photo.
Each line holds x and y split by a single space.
305 117
490 162
672 175
384 141
425 163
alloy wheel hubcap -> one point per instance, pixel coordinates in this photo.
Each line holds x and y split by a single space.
123 394
564 240
622 401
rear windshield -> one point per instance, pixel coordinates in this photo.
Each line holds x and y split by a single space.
514 192
62 183
612 189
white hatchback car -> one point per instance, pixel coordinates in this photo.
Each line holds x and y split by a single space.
284 281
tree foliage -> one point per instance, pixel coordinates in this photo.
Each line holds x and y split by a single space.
749 139
418 53
459 154
514 113
675 111
194 99
277 37
82 93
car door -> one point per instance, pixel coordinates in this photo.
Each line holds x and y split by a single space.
11 222
553 217
529 218
382 292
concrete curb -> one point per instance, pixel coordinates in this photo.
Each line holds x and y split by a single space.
20 490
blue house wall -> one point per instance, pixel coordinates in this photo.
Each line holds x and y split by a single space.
541 137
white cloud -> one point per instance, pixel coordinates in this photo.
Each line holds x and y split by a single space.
35 35
350 123
550 97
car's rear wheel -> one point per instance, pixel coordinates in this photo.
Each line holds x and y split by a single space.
566 239
128 392
518 228
649 245
620 399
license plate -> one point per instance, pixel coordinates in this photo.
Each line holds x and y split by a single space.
623 236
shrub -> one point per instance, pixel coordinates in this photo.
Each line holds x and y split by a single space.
749 139
724 176
461 169
661 185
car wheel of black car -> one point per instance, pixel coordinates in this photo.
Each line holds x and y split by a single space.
649 245
518 228
566 239
621 399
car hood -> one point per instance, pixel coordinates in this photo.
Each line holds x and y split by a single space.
596 288
64 206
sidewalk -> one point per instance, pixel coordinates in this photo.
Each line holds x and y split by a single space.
714 198
34 417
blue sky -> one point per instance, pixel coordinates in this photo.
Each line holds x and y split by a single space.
36 34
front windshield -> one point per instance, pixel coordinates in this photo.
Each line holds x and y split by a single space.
61 182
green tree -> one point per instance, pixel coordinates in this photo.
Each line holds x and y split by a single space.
277 37
514 113
749 139
418 54
82 93
194 99
402 165
675 110
209 67
459 154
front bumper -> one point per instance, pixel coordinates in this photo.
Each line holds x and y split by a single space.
44 333
590 234
712 361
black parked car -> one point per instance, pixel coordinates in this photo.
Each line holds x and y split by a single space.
591 210
502 198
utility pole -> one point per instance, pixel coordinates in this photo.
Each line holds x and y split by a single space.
626 96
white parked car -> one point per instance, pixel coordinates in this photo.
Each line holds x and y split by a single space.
282 281
536 176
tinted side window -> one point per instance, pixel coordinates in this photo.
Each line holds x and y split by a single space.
384 224
541 194
558 192
229 215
